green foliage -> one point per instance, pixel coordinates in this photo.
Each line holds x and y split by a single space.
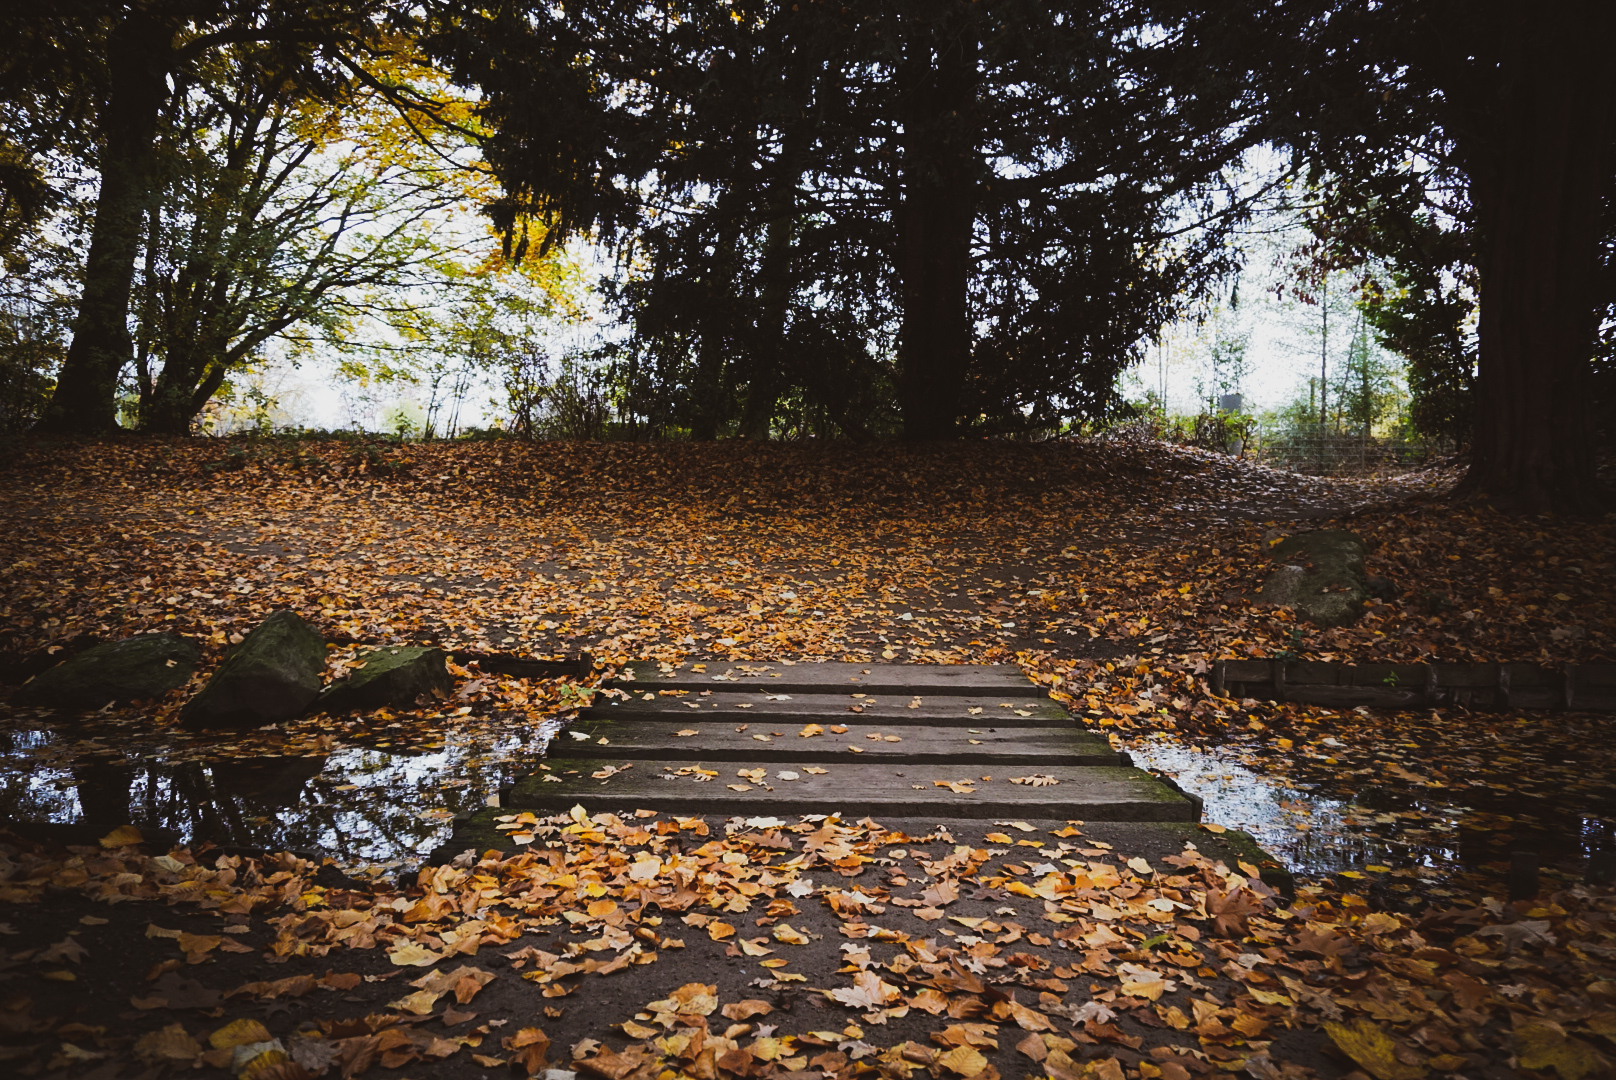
1421 298
284 216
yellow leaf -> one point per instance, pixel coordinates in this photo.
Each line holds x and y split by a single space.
1266 997
754 948
718 931
1365 1042
1149 989
775 963
964 1060
814 770
1543 1044
241 1032
686 733
790 935
412 955
420 1003
122 836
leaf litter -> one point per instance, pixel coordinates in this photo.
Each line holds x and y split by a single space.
1084 967
1121 623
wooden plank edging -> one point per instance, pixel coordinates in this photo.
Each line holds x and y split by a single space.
1585 687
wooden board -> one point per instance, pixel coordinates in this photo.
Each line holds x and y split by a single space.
1082 793
784 708
804 678
1587 687
717 739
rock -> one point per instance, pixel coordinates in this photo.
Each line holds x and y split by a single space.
273 675
391 676
1320 574
146 666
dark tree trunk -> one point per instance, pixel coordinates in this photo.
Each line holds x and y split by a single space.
1539 193
768 336
172 406
767 345
85 400
708 399
935 216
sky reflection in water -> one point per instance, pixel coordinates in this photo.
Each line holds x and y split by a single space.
372 809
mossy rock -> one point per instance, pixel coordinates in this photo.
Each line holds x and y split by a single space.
273 675
390 676
1321 575
145 666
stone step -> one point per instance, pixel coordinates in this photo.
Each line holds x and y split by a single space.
1090 793
832 678
933 711
721 738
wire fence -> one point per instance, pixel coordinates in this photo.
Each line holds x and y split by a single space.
1326 451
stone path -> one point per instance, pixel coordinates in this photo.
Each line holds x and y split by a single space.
787 739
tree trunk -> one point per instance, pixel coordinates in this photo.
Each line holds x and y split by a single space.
169 411
935 217
1539 195
85 400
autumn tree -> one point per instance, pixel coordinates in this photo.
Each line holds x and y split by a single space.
280 214
126 60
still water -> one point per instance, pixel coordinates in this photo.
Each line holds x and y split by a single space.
372 809
379 799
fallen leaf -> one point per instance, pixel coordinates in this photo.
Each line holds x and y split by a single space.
1365 1042
1544 1044
867 992
411 954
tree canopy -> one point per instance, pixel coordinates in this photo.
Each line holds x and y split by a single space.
1474 147
926 218
934 216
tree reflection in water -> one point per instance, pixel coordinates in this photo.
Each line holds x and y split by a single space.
362 806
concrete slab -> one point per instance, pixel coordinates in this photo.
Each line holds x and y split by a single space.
826 708
729 788
1006 679
722 738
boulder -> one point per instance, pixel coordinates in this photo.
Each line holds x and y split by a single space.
1320 574
145 666
390 676
271 676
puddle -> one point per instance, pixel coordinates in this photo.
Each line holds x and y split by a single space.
1391 839
371 809
379 797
